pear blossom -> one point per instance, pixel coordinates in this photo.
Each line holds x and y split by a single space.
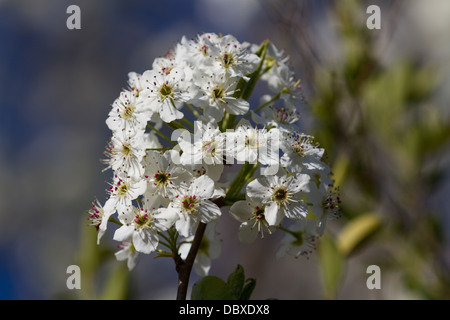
192 205
301 240
142 224
217 95
283 118
234 57
126 153
122 192
251 213
284 82
252 144
198 52
163 175
162 188
135 84
128 114
127 252
165 93
98 217
206 147
281 195
301 154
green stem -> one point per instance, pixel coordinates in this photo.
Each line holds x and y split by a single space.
187 122
247 175
276 97
292 233
111 219
162 135
235 182
227 119
194 112
255 75
165 244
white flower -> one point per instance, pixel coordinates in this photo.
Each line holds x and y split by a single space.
198 52
300 241
98 217
126 153
233 57
128 114
135 83
282 118
283 81
252 144
281 195
301 154
142 224
274 60
192 206
127 252
207 148
251 213
210 249
325 204
217 95
200 170
165 93
122 192
163 175
163 65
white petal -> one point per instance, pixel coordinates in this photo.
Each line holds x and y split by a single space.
133 260
137 188
259 189
236 106
123 233
209 211
202 187
214 171
273 214
168 113
122 254
186 227
241 211
298 183
202 264
145 241
165 218
296 210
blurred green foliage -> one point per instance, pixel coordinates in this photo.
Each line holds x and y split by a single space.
384 135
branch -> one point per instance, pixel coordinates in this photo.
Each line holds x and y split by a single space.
184 267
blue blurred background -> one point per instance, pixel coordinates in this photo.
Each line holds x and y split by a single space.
56 87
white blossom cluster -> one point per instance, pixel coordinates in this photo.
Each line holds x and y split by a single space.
200 90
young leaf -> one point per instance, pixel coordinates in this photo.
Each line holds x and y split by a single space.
248 289
211 288
236 281
356 231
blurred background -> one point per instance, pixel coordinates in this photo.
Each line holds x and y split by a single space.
377 101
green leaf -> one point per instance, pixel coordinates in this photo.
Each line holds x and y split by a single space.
248 289
211 288
357 231
333 265
236 281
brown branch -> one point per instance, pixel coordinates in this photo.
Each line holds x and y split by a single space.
184 267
